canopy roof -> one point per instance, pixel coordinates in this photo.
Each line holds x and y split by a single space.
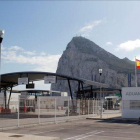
11 79
38 91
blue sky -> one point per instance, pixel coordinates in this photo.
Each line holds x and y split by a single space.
37 32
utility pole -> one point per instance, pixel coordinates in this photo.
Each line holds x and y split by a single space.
100 72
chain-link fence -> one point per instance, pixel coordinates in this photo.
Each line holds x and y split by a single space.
29 110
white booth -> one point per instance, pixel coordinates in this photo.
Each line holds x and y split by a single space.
131 102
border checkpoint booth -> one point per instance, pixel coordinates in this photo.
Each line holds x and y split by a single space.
10 80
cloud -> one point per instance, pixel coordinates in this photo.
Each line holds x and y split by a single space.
16 48
2 48
47 63
84 31
40 62
90 26
137 57
85 35
38 85
42 53
30 53
109 43
129 45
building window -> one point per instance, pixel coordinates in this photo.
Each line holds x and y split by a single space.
134 104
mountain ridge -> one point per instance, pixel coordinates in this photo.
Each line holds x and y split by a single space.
83 58
104 55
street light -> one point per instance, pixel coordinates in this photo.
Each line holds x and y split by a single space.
1 38
100 72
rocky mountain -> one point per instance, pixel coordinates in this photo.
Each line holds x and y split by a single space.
83 58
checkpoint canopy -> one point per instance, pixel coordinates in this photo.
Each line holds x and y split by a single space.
40 92
10 80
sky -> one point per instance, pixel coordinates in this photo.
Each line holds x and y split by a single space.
37 32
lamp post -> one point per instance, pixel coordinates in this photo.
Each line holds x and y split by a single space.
1 38
100 72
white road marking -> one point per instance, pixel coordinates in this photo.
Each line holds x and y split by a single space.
90 135
80 135
47 131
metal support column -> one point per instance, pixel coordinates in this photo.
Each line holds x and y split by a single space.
5 98
100 100
83 90
1 38
38 109
78 88
70 89
55 112
91 94
70 92
10 95
18 110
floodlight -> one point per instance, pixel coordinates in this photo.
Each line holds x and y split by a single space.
100 71
1 33
1 36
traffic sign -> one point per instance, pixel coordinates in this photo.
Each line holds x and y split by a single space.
49 79
22 81
118 94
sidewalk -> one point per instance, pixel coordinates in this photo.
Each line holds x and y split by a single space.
106 116
9 136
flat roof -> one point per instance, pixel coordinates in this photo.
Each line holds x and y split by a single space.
38 91
11 79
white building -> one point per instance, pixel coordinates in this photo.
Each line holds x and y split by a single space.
13 100
44 100
131 102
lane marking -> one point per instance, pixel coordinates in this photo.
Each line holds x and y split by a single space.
80 135
47 131
90 135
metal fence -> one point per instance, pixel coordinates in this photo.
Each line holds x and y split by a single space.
111 109
31 111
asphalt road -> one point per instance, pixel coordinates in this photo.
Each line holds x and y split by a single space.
86 130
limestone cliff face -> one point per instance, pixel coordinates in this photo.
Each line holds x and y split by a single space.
83 58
